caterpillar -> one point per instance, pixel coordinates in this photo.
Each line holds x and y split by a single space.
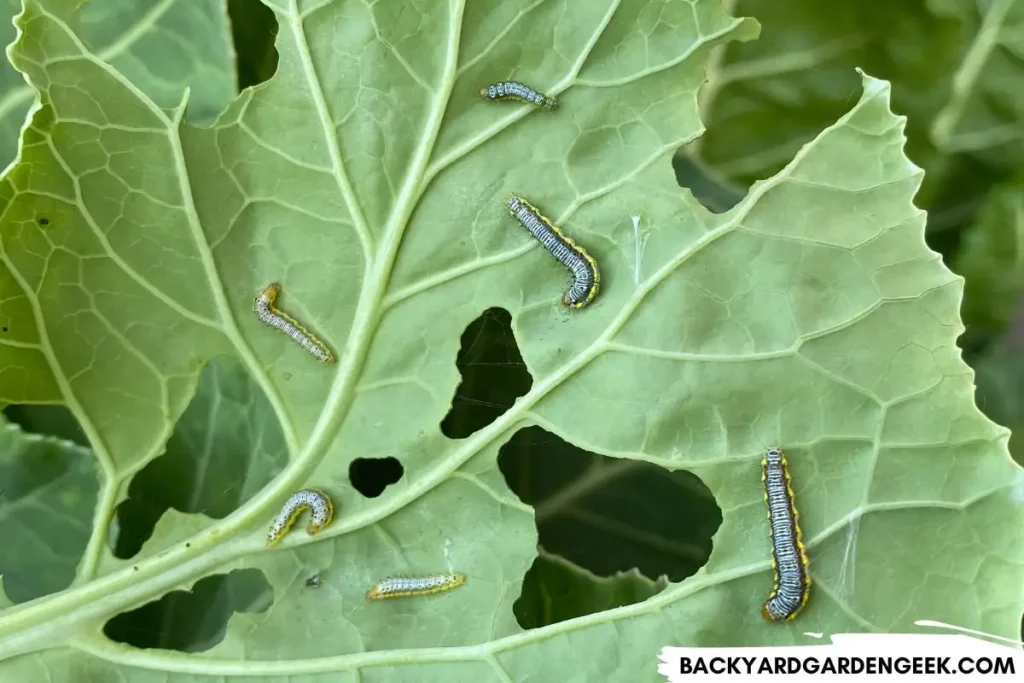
317 502
792 582
513 90
407 586
263 304
586 277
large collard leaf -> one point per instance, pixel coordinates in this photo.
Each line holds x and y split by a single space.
160 46
48 491
368 179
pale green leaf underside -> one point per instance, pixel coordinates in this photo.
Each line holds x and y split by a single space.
368 178
161 46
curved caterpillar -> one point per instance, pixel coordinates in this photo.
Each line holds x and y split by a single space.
586 277
407 586
317 502
520 92
263 304
792 585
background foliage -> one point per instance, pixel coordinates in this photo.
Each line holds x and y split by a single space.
614 528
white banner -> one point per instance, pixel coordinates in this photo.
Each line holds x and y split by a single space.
853 657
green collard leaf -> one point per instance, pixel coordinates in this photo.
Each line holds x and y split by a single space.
368 178
162 47
48 491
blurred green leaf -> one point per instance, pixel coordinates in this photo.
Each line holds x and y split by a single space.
48 493
253 29
1000 378
161 46
991 259
985 113
769 97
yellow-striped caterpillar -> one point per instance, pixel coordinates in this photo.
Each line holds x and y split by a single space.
263 304
407 586
317 502
586 276
792 582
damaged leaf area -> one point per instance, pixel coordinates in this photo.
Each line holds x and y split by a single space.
368 178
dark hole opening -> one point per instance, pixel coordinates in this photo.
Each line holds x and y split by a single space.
370 476
196 620
493 375
599 517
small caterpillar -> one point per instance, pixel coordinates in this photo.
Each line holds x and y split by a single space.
263 304
406 586
574 257
792 582
513 90
321 513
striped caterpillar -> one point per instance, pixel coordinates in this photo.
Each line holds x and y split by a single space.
263 304
408 586
317 502
520 92
792 582
586 277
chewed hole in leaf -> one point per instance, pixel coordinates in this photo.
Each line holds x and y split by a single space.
225 447
253 30
50 487
555 590
196 620
370 476
609 515
47 420
493 375
715 194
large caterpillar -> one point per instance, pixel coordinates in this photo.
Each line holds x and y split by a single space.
317 502
263 304
792 582
513 90
407 586
586 277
